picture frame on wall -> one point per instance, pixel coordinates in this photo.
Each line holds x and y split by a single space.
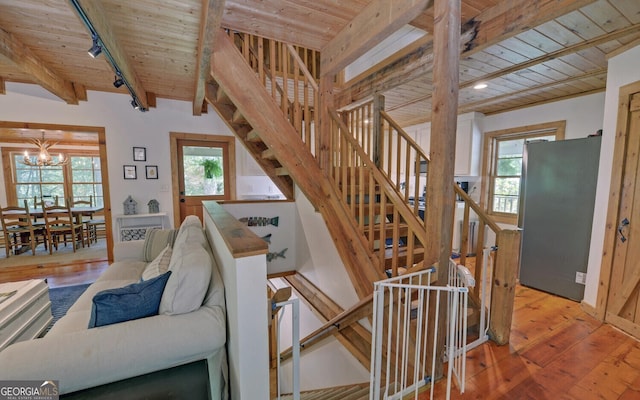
139 154
151 171
130 172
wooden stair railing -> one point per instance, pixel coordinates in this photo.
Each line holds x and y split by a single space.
284 74
371 197
264 116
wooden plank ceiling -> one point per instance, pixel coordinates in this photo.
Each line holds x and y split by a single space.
527 51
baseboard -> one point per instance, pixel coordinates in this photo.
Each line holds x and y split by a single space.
589 309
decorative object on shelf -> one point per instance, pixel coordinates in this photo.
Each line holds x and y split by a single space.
267 238
130 172
151 171
129 206
44 159
212 168
139 154
154 206
273 256
259 221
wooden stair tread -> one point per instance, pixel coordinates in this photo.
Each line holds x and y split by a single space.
269 154
403 230
253 136
238 117
352 392
377 209
418 255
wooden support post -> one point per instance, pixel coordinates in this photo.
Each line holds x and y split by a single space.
504 285
378 105
440 192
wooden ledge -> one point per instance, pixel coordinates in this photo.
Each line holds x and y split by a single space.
240 240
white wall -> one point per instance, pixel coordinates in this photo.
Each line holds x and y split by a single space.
312 253
623 69
126 128
583 115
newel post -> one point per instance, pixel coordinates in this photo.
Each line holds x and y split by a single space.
503 291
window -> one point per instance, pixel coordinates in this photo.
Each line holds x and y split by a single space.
86 179
505 150
80 179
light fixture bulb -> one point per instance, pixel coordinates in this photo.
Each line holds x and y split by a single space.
480 86
95 50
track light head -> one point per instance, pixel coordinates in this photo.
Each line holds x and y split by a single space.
118 82
95 50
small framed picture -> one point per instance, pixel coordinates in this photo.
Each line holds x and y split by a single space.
151 171
139 154
130 172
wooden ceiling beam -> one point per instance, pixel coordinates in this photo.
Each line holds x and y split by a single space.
376 21
509 18
488 28
24 59
95 12
210 20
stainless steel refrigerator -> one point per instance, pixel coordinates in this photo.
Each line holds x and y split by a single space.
556 213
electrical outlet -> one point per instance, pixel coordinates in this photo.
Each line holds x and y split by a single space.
581 278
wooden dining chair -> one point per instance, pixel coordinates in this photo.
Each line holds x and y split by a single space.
18 229
85 219
60 222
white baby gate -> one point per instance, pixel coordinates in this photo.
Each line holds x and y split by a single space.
406 315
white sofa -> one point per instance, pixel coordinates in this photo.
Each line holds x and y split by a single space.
79 357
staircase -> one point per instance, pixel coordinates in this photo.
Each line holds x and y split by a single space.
369 193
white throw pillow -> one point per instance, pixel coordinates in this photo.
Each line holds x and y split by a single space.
159 265
190 268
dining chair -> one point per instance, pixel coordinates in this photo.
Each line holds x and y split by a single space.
85 219
18 229
60 222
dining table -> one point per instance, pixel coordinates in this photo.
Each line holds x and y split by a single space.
77 212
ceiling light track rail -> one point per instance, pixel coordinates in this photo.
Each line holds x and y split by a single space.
98 47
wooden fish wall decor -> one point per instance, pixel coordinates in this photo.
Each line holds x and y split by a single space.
259 221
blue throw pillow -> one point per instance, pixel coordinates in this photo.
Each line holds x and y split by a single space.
134 301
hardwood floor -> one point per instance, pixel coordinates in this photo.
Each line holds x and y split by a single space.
56 275
556 351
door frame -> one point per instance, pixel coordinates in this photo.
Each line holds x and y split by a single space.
101 142
175 183
615 191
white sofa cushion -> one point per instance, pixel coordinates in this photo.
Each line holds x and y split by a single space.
159 265
190 268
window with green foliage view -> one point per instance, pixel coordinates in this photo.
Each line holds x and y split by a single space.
507 174
79 179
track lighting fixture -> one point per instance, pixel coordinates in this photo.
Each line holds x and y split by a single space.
96 49
118 82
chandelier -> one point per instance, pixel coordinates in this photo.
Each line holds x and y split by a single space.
44 159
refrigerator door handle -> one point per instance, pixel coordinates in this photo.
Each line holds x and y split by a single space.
623 223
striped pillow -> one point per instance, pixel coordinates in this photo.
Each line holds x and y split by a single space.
159 265
156 240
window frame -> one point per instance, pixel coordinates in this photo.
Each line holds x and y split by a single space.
9 153
490 158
